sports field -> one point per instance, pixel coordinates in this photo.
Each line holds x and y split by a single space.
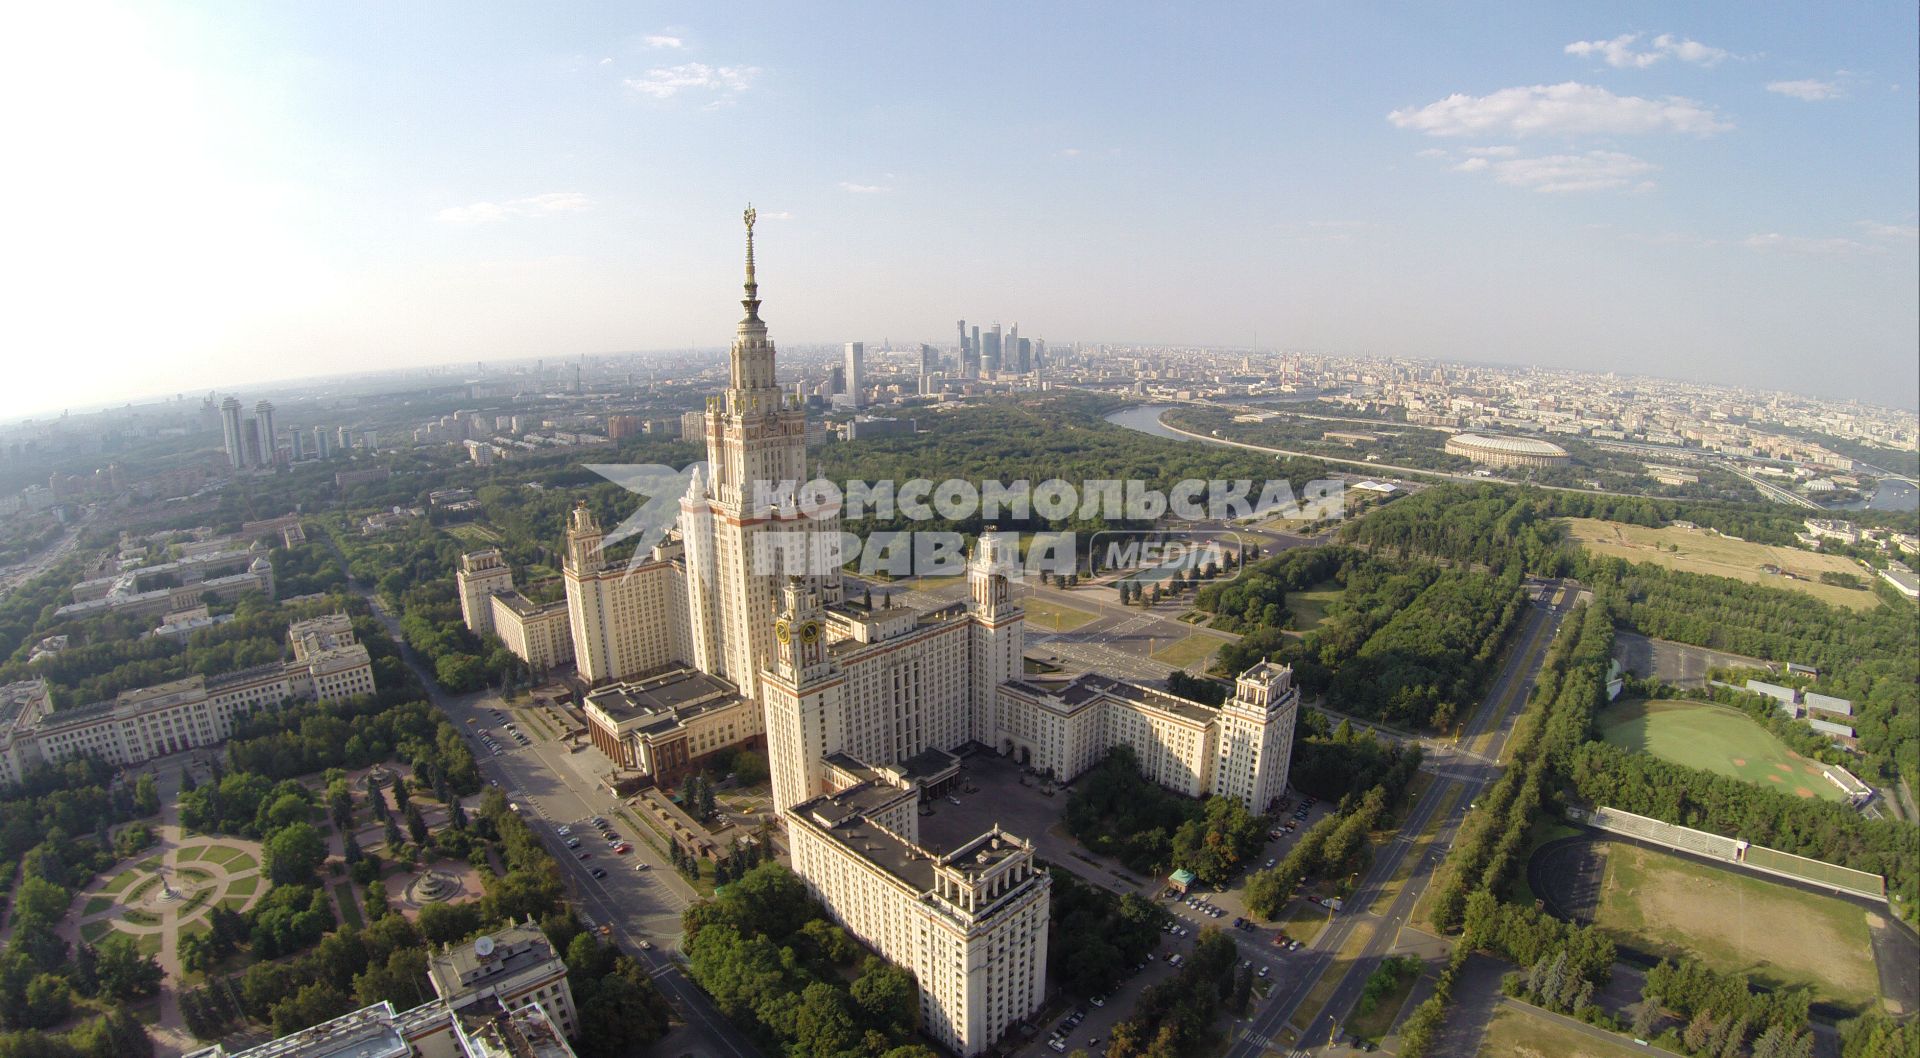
1699 551
1717 738
1777 935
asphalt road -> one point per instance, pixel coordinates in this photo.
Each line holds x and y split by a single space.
1503 700
553 787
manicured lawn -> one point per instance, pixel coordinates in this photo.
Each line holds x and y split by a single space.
1374 1024
92 932
120 882
220 854
96 904
1703 552
242 862
1517 1033
349 907
1717 738
1776 935
1188 651
1050 615
1310 606
474 533
243 886
145 943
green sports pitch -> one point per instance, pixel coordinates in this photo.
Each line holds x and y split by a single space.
1717 738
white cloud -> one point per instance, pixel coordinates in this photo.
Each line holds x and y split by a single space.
1669 238
1562 109
1558 173
1070 152
1802 244
662 40
775 214
863 189
1809 90
665 82
1689 50
1620 53
1889 232
478 213
1617 52
1563 173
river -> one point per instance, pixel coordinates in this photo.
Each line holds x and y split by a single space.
1146 419
1892 495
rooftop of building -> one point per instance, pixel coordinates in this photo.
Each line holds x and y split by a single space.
525 607
1522 446
843 818
488 1030
332 624
370 1032
1089 687
456 968
669 697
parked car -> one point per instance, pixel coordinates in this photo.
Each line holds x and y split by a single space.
599 872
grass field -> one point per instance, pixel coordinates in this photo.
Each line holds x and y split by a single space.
96 904
1704 552
349 907
1516 1033
1310 606
92 932
1375 1023
1050 615
120 881
474 533
1774 934
1717 738
1187 651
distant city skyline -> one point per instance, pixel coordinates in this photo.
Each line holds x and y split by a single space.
1722 193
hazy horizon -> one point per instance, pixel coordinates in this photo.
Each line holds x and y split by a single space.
221 200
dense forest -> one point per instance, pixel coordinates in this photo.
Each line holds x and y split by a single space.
1604 774
1869 656
1117 811
1058 436
1174 1018
306 967
775 964
1093 936
1407 642
58 826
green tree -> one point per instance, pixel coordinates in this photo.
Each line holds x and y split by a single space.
293 853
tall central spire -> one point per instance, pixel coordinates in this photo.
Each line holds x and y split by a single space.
752 300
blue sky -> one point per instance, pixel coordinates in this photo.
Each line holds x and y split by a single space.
216 195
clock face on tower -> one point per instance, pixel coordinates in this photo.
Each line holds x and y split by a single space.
809 633
780 631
